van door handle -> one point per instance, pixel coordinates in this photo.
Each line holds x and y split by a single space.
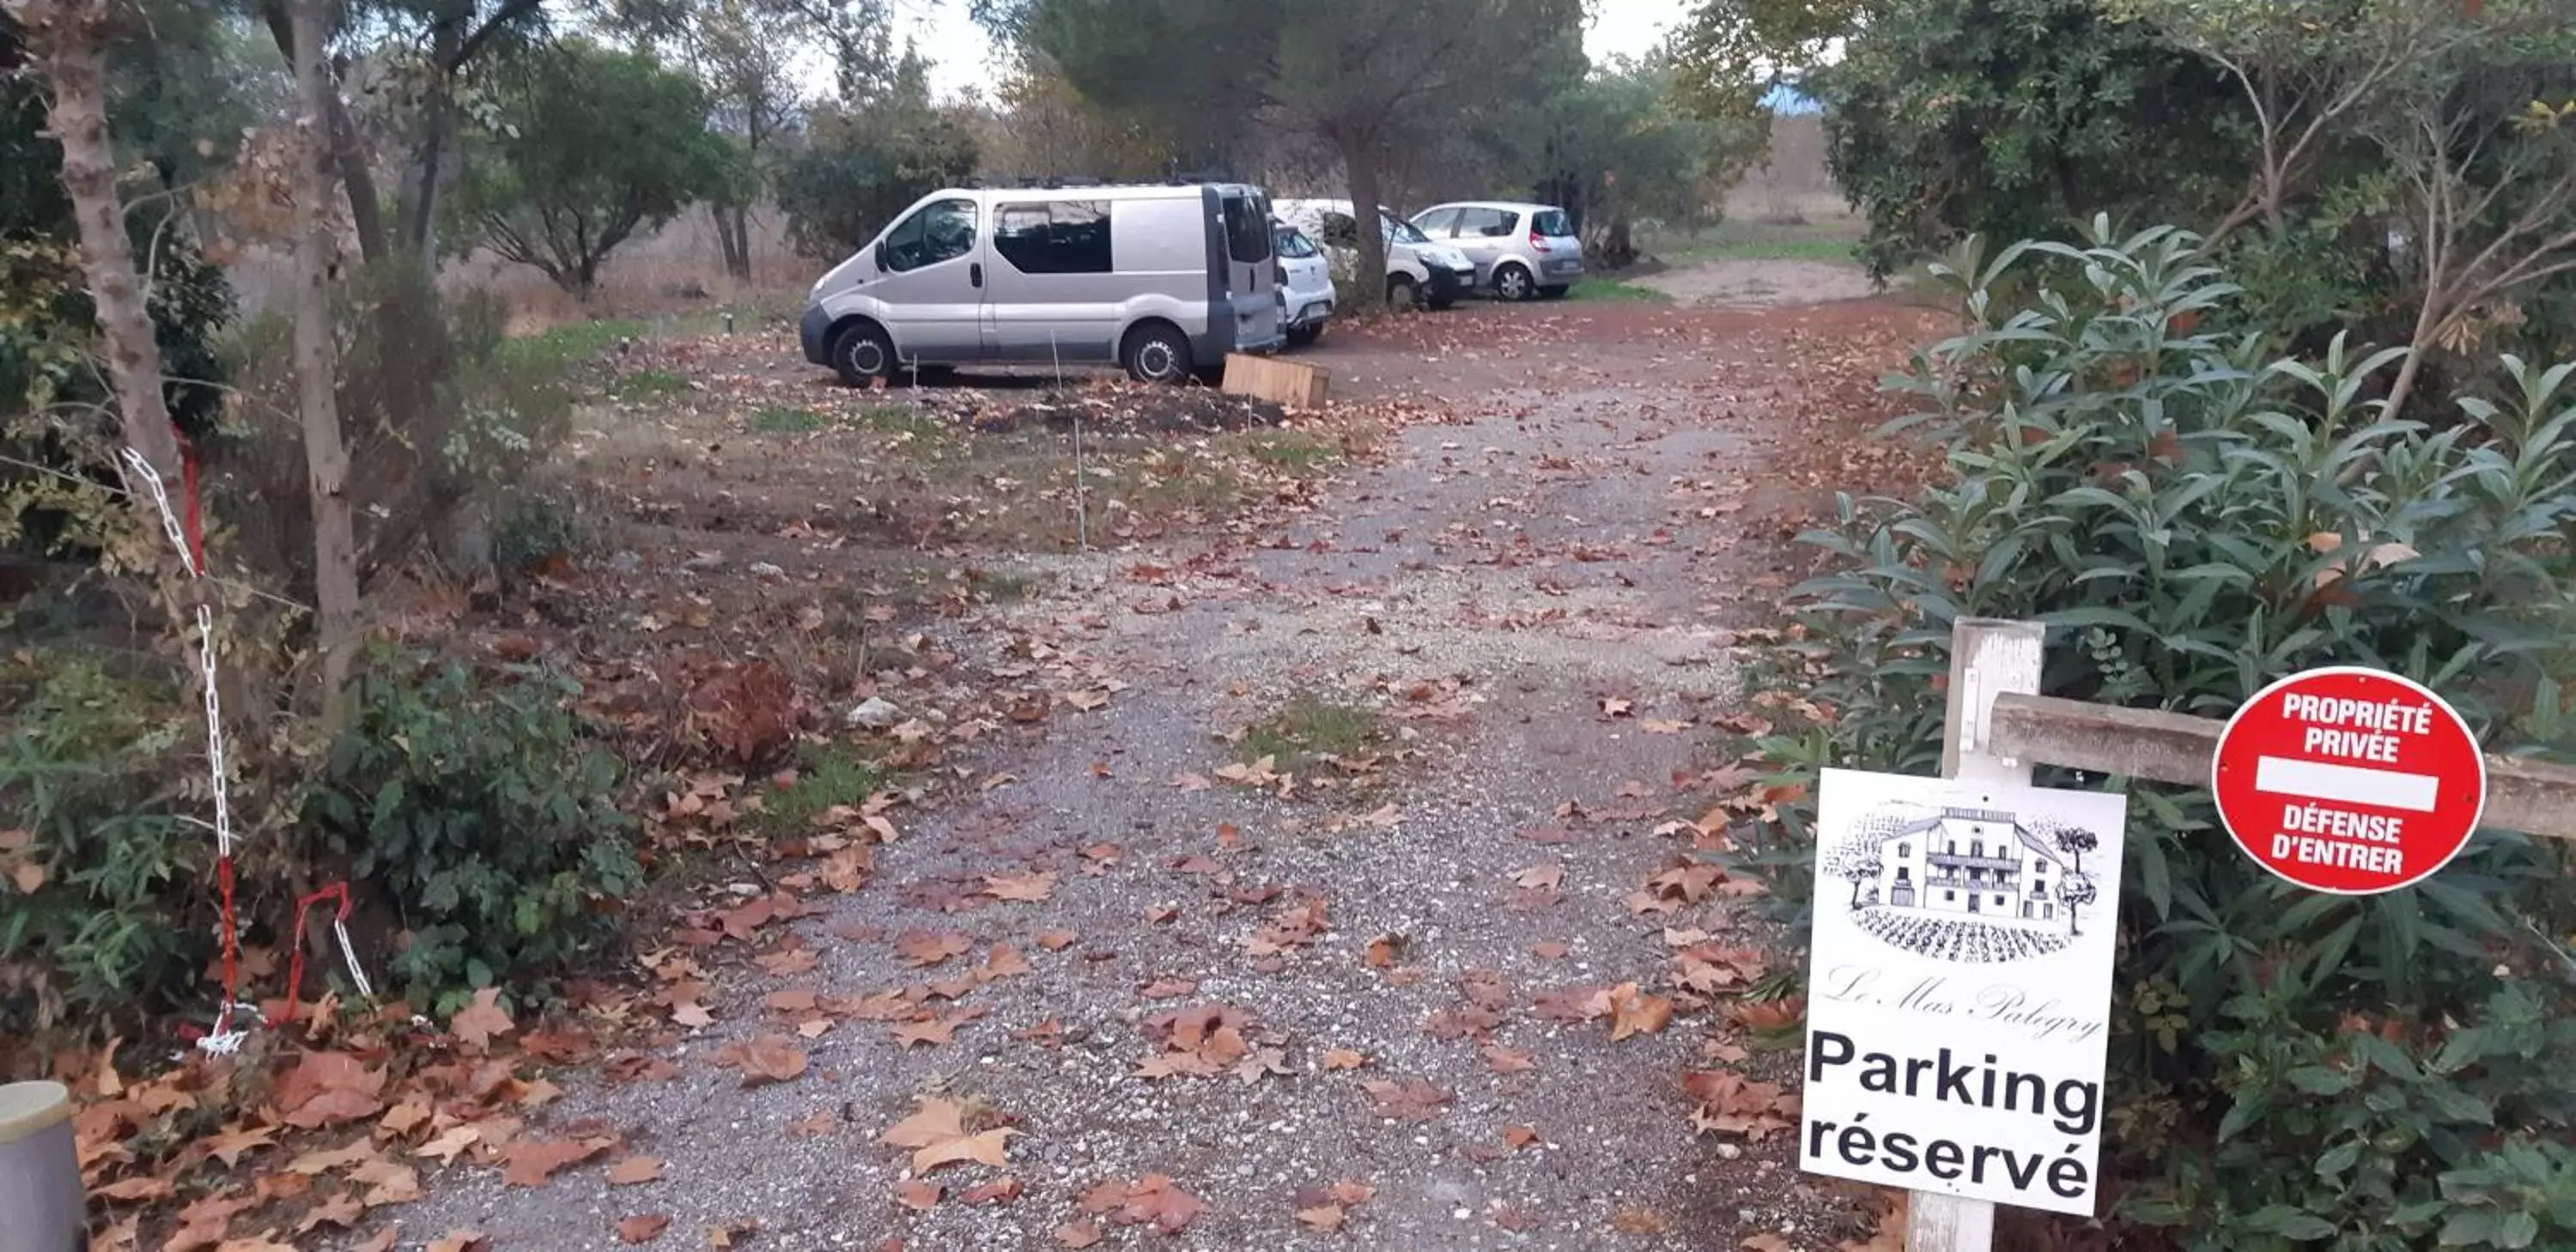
975 273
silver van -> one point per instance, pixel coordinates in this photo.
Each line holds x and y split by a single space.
1162 280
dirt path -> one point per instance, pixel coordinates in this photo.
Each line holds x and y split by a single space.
1528 609
1740 283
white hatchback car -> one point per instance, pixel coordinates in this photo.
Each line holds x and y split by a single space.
1520 250
1305 282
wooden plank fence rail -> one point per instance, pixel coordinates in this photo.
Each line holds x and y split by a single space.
2528 796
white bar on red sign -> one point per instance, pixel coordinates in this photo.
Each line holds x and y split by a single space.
2320 780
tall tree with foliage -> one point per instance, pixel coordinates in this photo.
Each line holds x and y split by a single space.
2009 118
1618 145
587 146
870 155
1352 75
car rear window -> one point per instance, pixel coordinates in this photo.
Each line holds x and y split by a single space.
1552 223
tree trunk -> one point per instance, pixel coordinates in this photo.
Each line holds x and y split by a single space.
1359 163
733 239
326 457
2426 321
68 39
348 151
429 159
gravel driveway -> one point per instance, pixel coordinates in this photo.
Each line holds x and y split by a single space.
1535 599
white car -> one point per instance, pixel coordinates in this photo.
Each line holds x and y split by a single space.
1520 250
1417 269
1305 281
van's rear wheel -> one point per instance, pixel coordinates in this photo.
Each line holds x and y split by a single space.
862 354
1156 352
1514 283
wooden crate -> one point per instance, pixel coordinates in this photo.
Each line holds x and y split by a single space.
1279 382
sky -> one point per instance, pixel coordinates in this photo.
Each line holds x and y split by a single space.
962 60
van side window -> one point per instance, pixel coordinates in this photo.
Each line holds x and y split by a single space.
943 230
1247 228
1054 236
1486 223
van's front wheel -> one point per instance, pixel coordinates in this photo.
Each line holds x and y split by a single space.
1156 352
862 354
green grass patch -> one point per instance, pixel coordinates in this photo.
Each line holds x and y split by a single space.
1781 250
1310 730
1294 452
647 385
1753 241
787 421
826 775
1611 290
576 344
893 417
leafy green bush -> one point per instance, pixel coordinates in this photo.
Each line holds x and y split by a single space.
103 887
473 803
2197 518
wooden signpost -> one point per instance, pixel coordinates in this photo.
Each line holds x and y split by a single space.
2371 761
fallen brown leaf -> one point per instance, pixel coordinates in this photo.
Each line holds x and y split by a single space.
763 1059
477 1024
643 1227
1022 888
633 1170
532 1162
937 1133
1633 1012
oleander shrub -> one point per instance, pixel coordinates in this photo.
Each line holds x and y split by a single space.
2195 515
105 897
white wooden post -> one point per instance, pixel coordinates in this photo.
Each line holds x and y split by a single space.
1988 658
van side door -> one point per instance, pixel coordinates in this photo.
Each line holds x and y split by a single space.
931 289
1053 290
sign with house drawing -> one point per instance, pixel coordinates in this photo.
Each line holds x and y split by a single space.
1960 994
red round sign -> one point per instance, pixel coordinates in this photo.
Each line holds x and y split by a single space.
2349 780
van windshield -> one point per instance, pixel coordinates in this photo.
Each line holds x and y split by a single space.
1399 230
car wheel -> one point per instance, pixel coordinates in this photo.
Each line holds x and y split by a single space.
1512 282
1156 352
862 355
1553 293
1400 292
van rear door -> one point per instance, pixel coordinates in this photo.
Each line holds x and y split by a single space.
1250 288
